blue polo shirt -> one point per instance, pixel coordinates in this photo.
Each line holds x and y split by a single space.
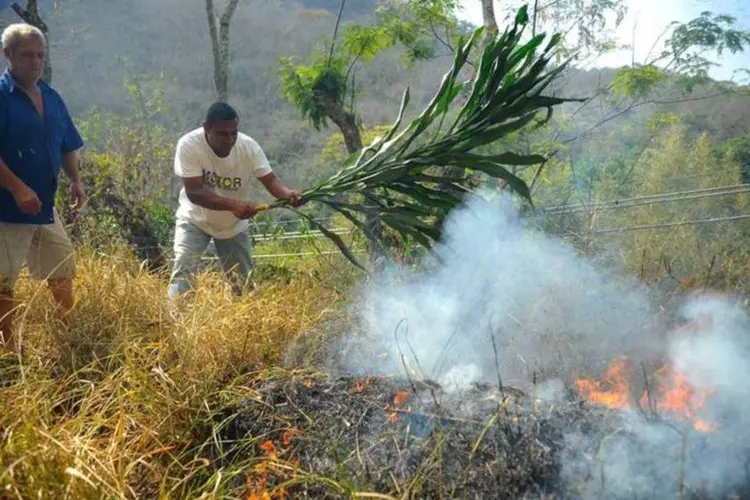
33 147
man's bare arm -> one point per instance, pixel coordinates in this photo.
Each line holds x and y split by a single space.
206 199
70 166
212 201
274 186
77 194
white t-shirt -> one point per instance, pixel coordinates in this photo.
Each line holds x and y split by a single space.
229 177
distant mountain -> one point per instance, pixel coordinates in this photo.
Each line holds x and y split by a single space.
43 4
352 8
100 47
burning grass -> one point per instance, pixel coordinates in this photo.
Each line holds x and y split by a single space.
131 404
325 436
304 434
666 392
336 436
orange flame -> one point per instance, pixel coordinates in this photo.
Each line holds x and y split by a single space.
612 392
270 449
703 426
669 393
257 479
676 397
288 435
401 397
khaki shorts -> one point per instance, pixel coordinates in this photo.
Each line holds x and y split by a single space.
45 248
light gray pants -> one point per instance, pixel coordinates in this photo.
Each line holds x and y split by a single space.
190 244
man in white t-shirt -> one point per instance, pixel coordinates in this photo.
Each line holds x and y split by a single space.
217 164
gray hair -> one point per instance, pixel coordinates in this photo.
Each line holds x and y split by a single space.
18 33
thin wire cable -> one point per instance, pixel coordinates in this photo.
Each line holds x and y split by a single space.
278 255
299 235
668 224
603 208
650 199
657 195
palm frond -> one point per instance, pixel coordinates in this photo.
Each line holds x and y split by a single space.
407 167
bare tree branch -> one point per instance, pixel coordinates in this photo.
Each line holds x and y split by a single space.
488 19
440 38
636 105
218 30
30 15
336 30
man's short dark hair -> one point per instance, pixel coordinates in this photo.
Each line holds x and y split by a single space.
219 112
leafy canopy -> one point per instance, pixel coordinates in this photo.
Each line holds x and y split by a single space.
684 55
330 72
403 172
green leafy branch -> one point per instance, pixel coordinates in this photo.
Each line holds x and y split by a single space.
405 166
684 56
327 78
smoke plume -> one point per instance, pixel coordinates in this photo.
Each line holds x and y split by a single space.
653 456
548 311
510 301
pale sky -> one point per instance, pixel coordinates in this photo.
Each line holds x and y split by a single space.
647 19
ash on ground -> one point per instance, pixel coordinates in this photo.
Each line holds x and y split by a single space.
319 435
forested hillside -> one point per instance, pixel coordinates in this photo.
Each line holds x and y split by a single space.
99 46
139 73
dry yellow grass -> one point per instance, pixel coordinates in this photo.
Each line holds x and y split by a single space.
120 404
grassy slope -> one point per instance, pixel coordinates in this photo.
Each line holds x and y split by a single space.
117 406
129 403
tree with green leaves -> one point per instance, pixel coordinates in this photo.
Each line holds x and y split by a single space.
739 149
324 88
400 175
676 75
679 72
586 27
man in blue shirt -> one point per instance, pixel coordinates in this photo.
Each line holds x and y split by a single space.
37 139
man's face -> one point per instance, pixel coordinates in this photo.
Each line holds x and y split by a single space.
221 136
26 61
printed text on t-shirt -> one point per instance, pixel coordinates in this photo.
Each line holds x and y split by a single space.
212 179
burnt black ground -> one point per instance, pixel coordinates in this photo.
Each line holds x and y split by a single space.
346 434
397 436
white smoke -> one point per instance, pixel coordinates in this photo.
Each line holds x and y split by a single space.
659 458
552 314
548 310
